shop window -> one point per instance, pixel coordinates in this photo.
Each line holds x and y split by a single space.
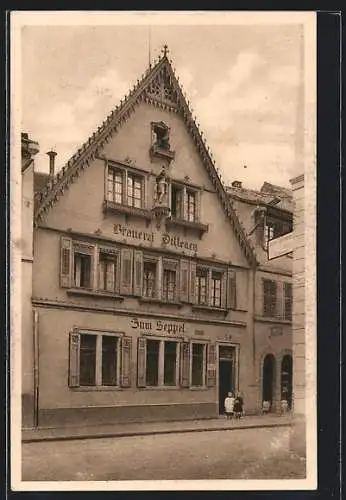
288 301
94 360
169 285
82 270
149 279
107 272
177 202
216 279
191 205
269 298
152 362
170 361
198 364
201 286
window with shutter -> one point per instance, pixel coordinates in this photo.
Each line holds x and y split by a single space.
109 361
185 364
216 289
141 362
184 280
108 266
126 358
65 262
269 298
288 301
198 364
74 359
232 289
211 367
126 277
224 290
138 273
192 290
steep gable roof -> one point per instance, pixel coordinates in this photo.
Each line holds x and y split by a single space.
159 87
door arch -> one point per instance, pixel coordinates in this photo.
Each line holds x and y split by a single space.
268 379
286 378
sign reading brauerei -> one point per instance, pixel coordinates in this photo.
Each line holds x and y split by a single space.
157 326
155 239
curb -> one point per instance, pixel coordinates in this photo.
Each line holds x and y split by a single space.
149 433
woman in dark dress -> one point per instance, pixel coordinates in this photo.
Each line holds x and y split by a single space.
238 406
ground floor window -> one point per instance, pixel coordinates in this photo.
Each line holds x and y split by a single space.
99 359
161 362
198 364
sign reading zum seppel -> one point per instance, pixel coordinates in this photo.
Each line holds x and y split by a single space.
157 326
165 239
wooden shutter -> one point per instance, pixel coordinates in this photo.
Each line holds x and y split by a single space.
242 296
231 289
126 277
65 262
211 366
184 280
192 291
279 313
141 362
224 290
138 273
185 205
126 361
198 206
74 356
185 364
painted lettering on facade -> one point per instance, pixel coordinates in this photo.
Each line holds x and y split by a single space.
165 239
157 326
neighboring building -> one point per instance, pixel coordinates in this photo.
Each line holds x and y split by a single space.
143 274
267 214
29 149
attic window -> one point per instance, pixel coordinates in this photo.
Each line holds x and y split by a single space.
160 146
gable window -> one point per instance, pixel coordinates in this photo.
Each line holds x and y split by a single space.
176 201
216 278
288 301
191 205
149 279
134 191
201 285
107 272
269 298
115 185
82 270
198 364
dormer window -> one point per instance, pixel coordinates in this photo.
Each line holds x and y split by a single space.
160 146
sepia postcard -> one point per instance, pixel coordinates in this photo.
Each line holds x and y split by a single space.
163 199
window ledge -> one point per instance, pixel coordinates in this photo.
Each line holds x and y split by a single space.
93 293
201 307
161 388
153 300
100 388
268 319
156 151
118 208
197 226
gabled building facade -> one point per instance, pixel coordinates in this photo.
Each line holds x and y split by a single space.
268 214
143 272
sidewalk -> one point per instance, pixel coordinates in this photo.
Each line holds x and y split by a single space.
147 428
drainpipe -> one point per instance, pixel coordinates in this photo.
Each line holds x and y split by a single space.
36 369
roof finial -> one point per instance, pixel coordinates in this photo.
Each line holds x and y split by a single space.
165 50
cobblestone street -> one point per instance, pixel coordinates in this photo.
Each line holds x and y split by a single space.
240 454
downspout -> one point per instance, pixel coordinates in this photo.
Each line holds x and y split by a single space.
36 369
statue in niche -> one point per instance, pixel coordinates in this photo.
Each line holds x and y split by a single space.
161 132
161 187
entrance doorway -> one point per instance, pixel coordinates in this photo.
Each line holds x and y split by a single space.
268 379
226 374
286 379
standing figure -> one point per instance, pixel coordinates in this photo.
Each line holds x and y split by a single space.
238 406
161 187
229 405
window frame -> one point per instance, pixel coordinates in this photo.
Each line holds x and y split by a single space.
170 266
205 270
111 254
126 173
161 362
212 291
273 309
98 360
82 249
287 299
148 259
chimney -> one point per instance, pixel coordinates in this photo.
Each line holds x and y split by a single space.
52 154
236 184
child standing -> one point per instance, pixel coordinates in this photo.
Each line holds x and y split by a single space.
229 405
238 406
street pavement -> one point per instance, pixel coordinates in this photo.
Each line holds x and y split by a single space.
222 454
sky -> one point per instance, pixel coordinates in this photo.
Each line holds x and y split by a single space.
244 82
